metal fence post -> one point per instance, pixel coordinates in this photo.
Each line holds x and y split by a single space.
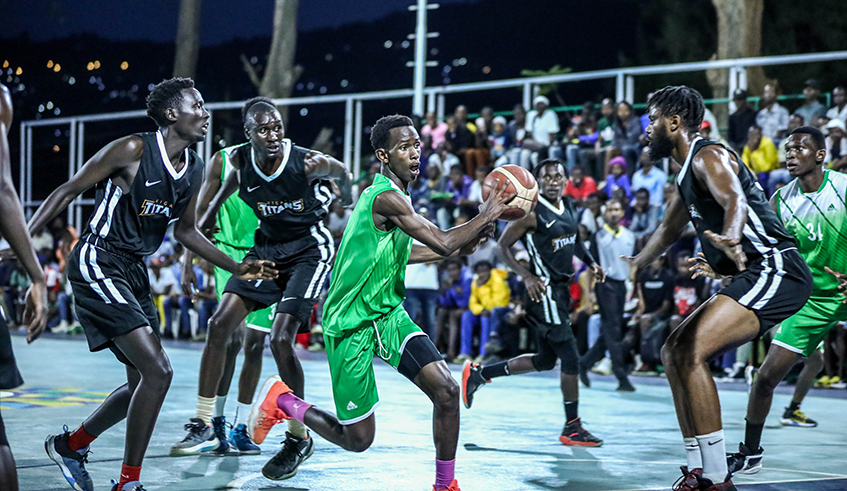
620 87
357 142
630 89
348 130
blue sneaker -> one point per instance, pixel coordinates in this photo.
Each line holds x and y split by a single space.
130 486
224 448
239 439
72 463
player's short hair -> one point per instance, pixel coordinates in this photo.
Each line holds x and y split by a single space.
252 102
681 101
544 163
381 131
166 94
815 134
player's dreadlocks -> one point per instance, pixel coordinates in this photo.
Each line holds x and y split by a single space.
165 95
381 131
681 101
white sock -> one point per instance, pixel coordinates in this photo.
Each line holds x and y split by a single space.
220 402
692 451
297 428
205 406
713 452
242 412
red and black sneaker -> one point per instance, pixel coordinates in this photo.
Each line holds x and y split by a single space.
472 380
690 480
574 434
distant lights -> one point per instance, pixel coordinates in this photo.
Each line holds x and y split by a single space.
344 83
71 81
93 65
56 148
5 63
405 44
486 69
388 44
322 90
49 63
49 105
41 108
19 71
304 112
57 111
57 67
124 65
151 87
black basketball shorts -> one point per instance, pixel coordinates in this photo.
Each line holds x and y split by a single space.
10 377
551 316
775 287
111 293
304 266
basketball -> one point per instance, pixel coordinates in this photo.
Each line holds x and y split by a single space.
520 183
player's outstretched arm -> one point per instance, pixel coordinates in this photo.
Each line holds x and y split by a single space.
207 220
111 161
393 207
535 286
721 177
13 228
320 166
187 233
676 218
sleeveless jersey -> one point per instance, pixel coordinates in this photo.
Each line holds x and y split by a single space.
368 280
136 222
818 222
236 220
763 232
286 203
551 246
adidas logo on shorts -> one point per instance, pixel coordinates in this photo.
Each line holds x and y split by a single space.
351 406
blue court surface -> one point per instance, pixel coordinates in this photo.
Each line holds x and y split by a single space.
508 440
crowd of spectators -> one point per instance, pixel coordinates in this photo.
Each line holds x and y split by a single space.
473 307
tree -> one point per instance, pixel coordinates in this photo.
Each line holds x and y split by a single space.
281 73
187 38
549 90
739 36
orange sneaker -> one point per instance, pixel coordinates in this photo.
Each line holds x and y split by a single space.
265 413
454 486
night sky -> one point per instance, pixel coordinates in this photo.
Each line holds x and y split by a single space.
156 20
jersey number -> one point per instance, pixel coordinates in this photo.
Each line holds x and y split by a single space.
813 235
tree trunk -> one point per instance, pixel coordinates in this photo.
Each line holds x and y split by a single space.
187 38
739 36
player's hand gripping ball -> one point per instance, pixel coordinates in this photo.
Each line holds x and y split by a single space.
520 184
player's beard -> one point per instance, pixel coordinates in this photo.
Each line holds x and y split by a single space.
661 145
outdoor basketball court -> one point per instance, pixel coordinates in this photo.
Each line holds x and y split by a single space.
508 440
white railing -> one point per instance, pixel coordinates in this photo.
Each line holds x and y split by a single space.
353 125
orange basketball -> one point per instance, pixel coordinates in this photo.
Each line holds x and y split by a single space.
520 183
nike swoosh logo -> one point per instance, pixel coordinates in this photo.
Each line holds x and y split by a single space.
250 190
297 406
551 224
148 183
715 443
287 298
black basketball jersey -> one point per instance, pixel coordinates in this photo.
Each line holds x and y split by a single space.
136 221
763 233
554 242
287 203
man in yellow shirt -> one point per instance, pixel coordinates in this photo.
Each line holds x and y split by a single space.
760 154
489 289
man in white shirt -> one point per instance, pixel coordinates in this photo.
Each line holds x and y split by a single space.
650 178
772 118
839 111
542 125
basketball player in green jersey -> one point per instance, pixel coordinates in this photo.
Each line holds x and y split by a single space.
364 315
812 208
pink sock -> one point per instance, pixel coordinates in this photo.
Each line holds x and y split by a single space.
293 406
444 473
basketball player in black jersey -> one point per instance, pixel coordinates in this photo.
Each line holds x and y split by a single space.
741 237
144 182
550 235
13 229
289 190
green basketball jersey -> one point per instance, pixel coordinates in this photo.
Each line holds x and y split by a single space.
368 279
818 223
236 220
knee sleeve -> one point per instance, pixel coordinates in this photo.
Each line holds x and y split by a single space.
418 353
